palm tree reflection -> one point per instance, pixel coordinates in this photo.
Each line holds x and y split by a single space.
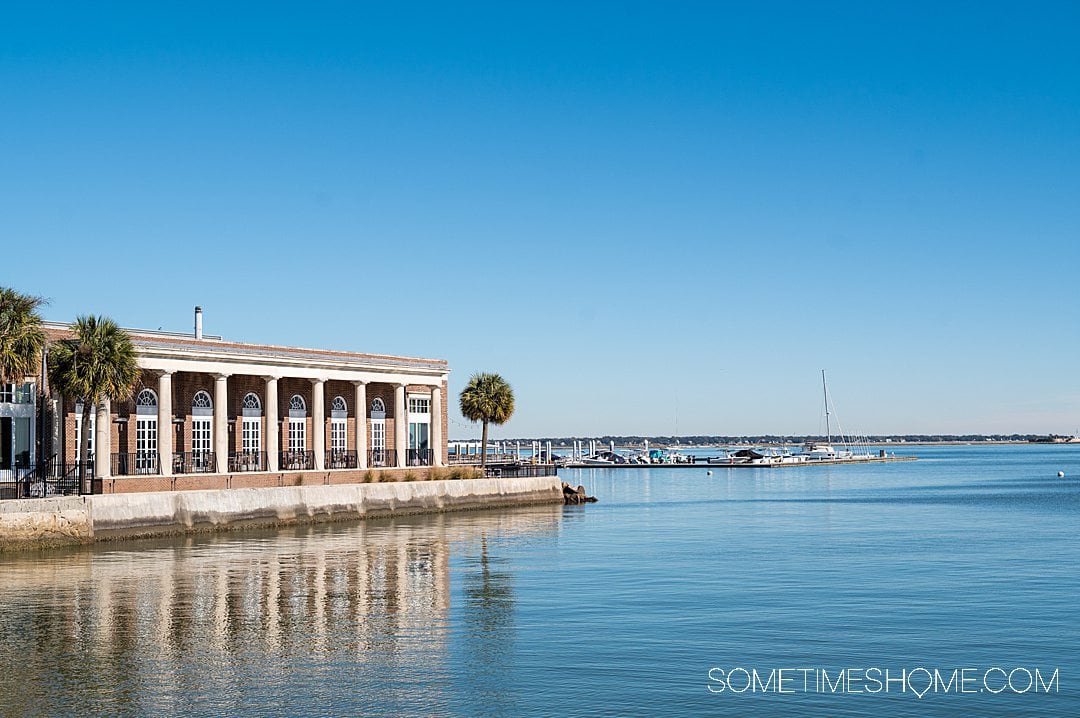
489 630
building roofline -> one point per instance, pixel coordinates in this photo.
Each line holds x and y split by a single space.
163 341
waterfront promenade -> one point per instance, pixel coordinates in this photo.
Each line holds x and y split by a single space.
59 521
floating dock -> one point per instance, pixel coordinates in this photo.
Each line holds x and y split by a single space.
700 462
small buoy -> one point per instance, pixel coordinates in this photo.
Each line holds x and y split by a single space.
708 473
1061 474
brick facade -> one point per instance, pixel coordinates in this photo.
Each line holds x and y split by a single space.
193 365
186 384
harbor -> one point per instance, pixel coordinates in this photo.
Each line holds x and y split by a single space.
669 570
697 462
581 454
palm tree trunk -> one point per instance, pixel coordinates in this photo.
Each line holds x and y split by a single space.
84 448
483 447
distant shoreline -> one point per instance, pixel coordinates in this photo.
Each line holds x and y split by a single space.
764 441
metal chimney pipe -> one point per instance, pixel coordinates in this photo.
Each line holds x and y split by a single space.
198 322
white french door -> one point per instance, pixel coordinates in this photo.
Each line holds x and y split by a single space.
146 445
251 440
338 435
202 441
378 442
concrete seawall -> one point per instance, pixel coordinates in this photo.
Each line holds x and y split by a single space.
37 523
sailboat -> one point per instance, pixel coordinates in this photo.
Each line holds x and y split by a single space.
817 451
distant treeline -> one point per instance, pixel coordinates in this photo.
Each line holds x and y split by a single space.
772 439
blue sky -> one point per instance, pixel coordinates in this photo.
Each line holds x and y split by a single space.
633 211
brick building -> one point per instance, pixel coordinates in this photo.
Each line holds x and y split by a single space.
209 406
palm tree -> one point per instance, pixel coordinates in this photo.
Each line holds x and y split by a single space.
97 364
487 398
22 340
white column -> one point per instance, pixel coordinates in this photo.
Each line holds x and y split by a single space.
318 413
221 422
103 440
361 424
273 426
436 426
401 425
164 423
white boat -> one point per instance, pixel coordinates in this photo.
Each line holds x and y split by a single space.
753 457
604 458
824 451
814 451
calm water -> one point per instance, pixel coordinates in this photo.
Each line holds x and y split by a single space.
967 558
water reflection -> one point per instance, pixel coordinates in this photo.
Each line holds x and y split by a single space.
353 616
487 651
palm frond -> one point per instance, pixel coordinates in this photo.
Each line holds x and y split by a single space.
487 398
22 339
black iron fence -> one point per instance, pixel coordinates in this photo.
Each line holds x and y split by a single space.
240 461
297 460
134 463
465 458
382 457
47 478
194 462
419 457
520 471
340 459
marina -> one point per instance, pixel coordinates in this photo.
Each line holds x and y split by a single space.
718 462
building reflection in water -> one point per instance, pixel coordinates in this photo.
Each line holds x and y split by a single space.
354 616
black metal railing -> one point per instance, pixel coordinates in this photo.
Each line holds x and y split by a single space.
51 477
463 458
382 457
240 461
340 459
419 457
194 462
297 460
134 463
520 471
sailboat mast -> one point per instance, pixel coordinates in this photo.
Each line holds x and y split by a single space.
825 391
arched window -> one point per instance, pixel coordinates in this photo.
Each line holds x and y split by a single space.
297 424
202 405
378 406
251 426
339 429
146 403
251 406
202 435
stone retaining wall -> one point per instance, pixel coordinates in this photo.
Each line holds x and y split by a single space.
59 521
